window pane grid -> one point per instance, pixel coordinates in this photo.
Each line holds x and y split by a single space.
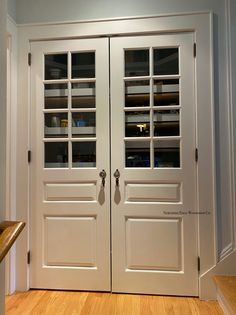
69 139
162 106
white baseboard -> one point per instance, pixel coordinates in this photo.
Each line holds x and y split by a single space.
207 288
224 304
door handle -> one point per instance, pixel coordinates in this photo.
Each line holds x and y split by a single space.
103 175
117 176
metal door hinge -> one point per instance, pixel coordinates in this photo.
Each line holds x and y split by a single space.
28 257
29 156
194 50
196 154
198 264
29 59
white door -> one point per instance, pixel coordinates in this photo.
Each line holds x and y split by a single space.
154 228
70 206
152 153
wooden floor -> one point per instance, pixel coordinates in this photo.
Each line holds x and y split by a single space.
227 287
83 303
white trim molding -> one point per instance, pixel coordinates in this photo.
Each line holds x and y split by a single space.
231 67
223 304
11 144
3 107
198 23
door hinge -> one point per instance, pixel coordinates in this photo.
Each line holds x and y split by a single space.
29 156
196 154
198 264
194 50
29 59
28 257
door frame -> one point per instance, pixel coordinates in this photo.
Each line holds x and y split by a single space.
201 25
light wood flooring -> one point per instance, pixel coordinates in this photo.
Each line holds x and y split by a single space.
227 287
37 302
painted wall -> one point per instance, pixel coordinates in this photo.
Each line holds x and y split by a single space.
29 11
232 10
11 9
59 10
2 134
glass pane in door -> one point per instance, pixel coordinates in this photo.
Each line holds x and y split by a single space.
55 96
137 154
84 154
56 125
83 95
83 124
56 154
166 92
56 67
166 61
136 62
167 153
166 123
137 124
137 93
83 65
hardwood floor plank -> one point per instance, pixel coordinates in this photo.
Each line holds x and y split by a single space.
199 307
152 305
177 306
25 302
75 303
40 302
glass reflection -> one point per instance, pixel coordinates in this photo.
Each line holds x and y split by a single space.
167 153
166 92
166 61
83 124
137 93
83 65
137 124
56 125
136 62
137 154
56 67
84 154
55 96
56 154
166 123
83 95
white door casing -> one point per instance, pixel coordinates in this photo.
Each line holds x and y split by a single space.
154 236
70 209
147 208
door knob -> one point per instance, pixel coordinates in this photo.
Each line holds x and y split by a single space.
117 176
103 175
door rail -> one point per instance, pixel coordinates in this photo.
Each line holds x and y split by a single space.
9 232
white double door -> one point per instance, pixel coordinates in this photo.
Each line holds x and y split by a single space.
91 230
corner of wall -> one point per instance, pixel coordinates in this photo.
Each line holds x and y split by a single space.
225 267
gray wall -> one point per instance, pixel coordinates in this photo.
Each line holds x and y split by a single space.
11 8
2 135
29 11
37 11
233 69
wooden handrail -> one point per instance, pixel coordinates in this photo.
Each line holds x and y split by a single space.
9 231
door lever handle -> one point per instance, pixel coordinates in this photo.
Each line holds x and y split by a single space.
117 176
103 175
